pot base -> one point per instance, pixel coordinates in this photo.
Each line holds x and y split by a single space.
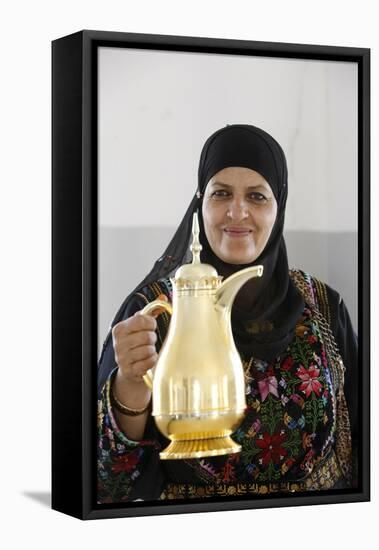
198 448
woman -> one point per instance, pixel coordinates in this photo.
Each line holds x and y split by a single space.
290 330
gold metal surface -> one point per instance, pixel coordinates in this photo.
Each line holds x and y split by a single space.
198 448
149 308
198 382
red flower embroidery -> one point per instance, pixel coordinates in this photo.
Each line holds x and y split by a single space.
270 370
312 339
228 473
310 383
287 364
125 463
271 446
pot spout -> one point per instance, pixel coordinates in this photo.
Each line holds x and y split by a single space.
227 291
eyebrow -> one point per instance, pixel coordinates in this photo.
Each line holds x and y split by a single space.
227 186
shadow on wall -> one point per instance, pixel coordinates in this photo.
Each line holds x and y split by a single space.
126 255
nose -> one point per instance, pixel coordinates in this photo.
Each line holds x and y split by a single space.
237 209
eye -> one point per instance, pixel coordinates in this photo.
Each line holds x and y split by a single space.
258 198
220 194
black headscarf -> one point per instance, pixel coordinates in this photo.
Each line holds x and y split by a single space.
266 329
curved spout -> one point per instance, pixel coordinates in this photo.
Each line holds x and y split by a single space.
227 291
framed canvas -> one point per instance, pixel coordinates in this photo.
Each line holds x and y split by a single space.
131 113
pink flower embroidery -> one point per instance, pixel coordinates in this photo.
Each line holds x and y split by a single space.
310 383
268 385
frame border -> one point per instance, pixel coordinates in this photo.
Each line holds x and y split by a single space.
74 268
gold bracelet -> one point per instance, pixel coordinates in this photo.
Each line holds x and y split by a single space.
123 409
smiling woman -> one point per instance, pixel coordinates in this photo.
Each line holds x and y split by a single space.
292 331
239 211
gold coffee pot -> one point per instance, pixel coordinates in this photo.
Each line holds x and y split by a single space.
198 382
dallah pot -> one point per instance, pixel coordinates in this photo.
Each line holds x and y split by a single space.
198 382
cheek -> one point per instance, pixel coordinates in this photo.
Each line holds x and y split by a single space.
206 225
272 219
210 218
204 215
268 221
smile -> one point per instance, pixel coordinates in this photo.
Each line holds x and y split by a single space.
237 231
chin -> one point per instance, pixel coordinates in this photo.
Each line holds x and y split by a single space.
238 260
238 253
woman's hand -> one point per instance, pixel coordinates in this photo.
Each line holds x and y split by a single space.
134 348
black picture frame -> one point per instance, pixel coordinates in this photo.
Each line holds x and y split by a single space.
74 269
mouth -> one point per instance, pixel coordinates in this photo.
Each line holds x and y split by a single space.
237 231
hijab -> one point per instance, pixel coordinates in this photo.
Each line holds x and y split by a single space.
266 329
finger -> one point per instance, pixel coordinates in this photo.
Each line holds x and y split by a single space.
141 367
142 338
126 358
140 354
134 324
141 321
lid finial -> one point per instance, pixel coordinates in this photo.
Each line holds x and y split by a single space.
195 246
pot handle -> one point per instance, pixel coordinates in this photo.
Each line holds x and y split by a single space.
148 310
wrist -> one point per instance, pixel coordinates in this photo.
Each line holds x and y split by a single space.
135 395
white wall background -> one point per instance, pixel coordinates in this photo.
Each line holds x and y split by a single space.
27 29
156 109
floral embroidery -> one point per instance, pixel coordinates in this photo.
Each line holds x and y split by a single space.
310 380
268 385
125 463
272 448
287 364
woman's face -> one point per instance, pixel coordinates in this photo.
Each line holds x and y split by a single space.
239 212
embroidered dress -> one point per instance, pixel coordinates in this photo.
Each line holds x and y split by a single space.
290 436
